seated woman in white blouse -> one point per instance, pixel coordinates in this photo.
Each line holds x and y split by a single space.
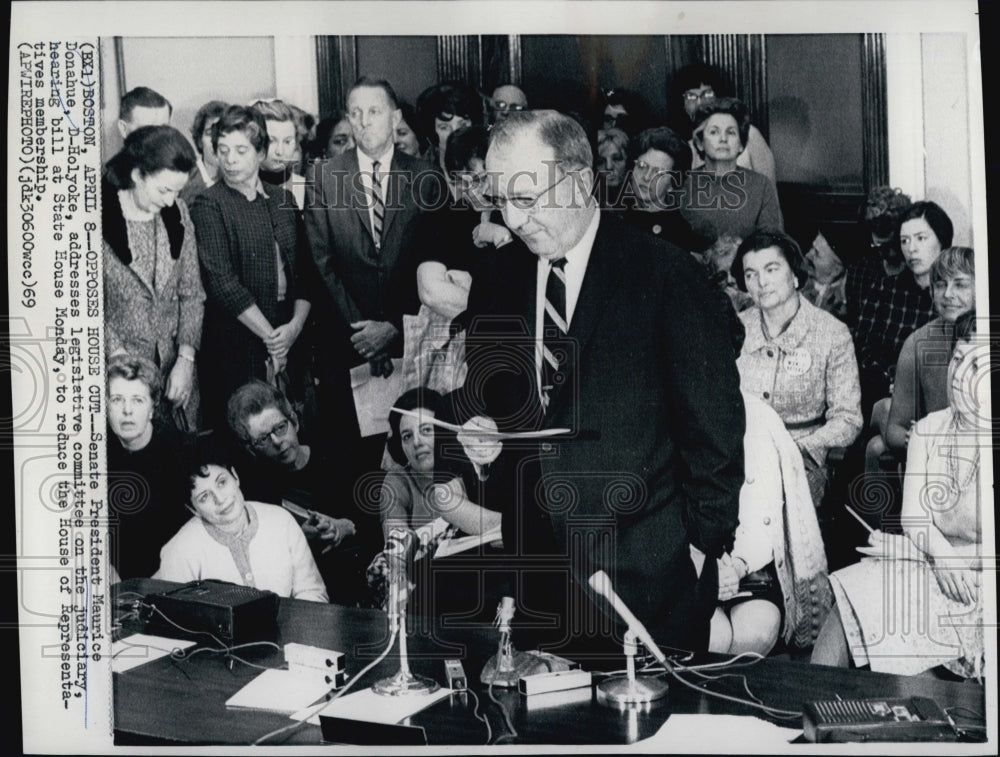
230 539
797 358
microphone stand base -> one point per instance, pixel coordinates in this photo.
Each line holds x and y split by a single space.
405 684
619 691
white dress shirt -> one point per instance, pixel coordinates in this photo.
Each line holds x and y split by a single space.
576 267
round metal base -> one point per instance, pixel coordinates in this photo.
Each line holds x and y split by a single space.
405 684
619 690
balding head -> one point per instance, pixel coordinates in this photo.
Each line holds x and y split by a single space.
540 166
506 99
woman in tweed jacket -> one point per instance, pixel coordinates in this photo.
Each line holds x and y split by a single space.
153 296
254 265
797 358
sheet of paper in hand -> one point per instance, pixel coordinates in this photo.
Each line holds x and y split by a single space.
374 396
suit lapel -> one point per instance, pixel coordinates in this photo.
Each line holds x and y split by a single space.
601 280
360 199
399 185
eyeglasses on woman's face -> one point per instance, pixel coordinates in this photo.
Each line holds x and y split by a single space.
277 432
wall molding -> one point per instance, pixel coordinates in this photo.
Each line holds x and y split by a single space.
874 100
336 71
743 57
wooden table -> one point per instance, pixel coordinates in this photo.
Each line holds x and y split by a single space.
168 702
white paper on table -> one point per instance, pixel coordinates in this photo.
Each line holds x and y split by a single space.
713 733
370 707
284 691
139 648
374 396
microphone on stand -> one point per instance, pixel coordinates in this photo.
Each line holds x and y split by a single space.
398 550
629 690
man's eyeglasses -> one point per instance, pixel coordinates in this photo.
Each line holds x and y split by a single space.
693 95
278 430
505 107
525 204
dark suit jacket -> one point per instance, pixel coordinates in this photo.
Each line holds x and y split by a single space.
655 458
364 282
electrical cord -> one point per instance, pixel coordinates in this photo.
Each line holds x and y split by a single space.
506 717
775 712
754 701
975 715
340 692
183 654
481 716
159 612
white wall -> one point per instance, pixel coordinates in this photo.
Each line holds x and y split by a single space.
929 137
947 177
190 71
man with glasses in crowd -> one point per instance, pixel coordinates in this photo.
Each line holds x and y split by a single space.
506 99
590 325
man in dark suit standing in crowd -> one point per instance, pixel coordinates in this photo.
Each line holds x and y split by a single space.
360 214
613 334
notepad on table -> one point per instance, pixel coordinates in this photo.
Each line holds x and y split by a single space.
374 708
283 691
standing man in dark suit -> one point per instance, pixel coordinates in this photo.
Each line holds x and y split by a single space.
360 215
614 334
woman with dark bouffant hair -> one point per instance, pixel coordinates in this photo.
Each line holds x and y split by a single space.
153 296
797 358
443 109
333 137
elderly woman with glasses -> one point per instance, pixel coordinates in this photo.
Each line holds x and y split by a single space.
662 161
284 467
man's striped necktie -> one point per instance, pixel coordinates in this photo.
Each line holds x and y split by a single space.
378 205
555 326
